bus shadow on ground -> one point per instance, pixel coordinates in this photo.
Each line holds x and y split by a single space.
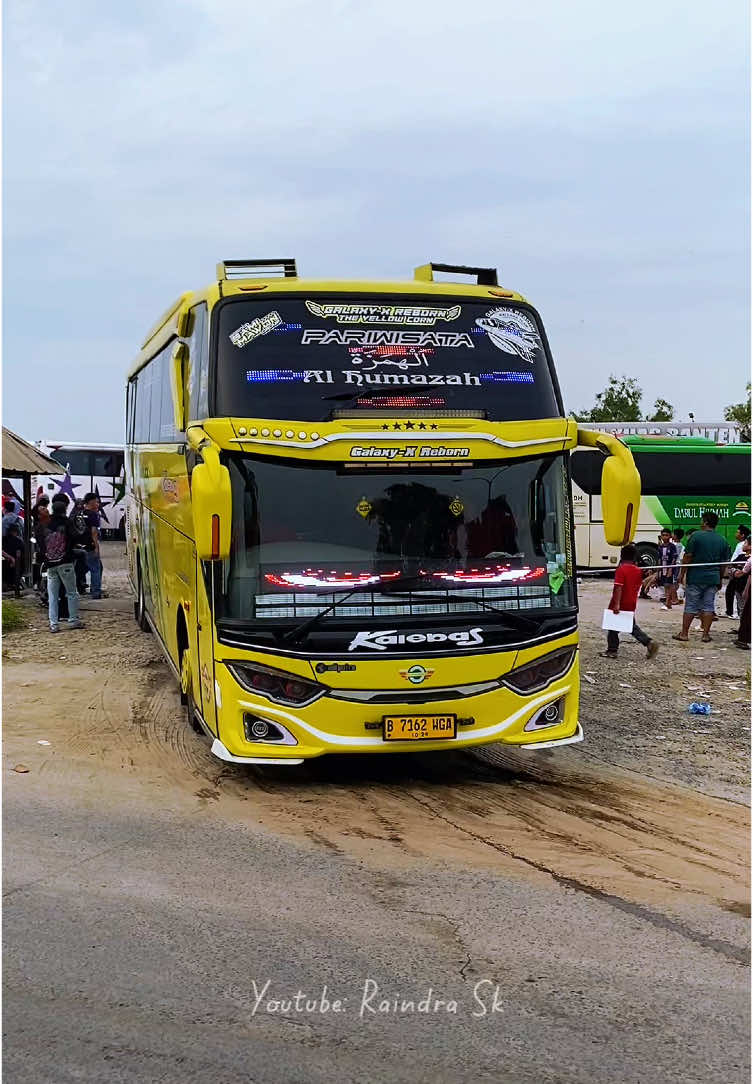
457 768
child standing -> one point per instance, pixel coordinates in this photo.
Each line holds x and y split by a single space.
627 584
668 572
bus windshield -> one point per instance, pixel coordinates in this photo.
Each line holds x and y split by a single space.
496 535
307 358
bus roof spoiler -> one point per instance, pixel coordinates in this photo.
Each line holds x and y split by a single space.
247 269
485 276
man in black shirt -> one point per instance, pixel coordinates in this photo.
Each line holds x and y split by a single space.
58 557
13 558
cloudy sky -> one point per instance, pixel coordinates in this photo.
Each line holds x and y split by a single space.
596 153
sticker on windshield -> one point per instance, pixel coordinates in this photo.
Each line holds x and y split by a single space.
262 325
417 315
399 357
363 507
511 331
358 337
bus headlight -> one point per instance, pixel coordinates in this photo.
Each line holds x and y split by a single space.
276 685
541 672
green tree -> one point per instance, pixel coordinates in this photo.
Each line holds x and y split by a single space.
740 412
619 402
663 412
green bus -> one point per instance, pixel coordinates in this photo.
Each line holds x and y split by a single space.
681 478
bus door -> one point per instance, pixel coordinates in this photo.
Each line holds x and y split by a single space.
204 686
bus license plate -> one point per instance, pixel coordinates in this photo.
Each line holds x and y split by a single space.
419 727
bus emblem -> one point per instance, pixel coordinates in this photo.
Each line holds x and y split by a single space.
416 674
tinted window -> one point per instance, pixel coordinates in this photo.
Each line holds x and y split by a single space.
107 464
585 468
304 358
143 404
703 474
198 365
74 460
130 408
167 432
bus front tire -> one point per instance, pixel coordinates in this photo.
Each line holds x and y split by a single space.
186 692
647 555
140 608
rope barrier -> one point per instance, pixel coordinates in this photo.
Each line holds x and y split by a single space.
648 569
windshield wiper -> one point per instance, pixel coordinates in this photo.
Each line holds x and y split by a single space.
343 594
514 619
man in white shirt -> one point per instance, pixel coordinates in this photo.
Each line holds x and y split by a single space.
735 584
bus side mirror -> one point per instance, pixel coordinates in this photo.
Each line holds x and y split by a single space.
620 498
177 385
211 499
620 486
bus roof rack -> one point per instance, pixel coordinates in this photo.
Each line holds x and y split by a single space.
247 269
485 276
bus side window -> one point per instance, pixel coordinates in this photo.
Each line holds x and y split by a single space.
198 364
167 431
585 467
131 409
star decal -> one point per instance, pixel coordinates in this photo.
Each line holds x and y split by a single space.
385 426
118 490
421 425
434 425
397 425
102 505
67 486
409 425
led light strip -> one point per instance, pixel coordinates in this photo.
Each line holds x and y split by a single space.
381 436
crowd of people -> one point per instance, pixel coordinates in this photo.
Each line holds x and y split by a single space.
66 552
698 568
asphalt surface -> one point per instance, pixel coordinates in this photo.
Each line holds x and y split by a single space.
161 912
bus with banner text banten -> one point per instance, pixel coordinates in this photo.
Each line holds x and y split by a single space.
681 478
349 514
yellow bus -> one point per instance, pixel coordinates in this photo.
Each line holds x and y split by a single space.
349 513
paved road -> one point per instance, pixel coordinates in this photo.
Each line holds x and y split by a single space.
583 923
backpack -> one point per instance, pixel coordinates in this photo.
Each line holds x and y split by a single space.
80 527
56 545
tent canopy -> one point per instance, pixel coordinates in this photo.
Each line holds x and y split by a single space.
20 457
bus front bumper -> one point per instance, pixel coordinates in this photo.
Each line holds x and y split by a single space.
219 750
331 725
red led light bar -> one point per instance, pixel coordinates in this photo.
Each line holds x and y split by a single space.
498 574
310 577
416 402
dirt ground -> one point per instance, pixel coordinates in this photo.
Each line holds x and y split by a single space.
651 805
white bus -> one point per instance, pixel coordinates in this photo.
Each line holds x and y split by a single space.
89 468
681 478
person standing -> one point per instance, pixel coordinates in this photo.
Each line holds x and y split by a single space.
10 516
81 537
736 584
91 546
58 557
702 565
668 559
627 583
13 558
743 633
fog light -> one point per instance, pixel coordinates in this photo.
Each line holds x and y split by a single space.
259 728
550 715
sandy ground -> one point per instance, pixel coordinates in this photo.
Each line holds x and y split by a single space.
647 819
